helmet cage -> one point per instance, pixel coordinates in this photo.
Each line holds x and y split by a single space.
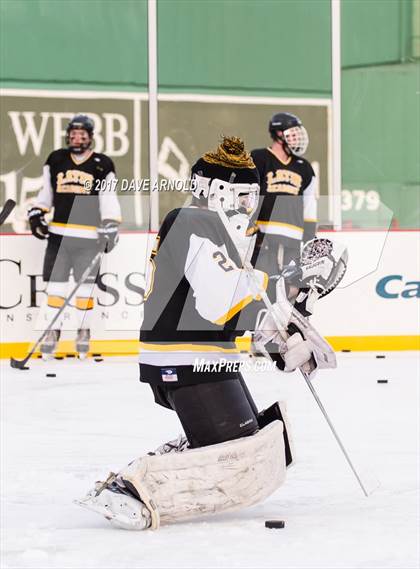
296 139
226 196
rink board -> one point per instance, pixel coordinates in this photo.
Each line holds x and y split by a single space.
376 307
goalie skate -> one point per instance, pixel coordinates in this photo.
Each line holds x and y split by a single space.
49 345
114 503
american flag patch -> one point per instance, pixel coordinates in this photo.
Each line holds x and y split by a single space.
169 374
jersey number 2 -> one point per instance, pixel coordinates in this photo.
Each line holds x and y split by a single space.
222 261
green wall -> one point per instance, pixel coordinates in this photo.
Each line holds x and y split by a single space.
262 47
217 45
381 136
268 46
382 109
76 43
375 31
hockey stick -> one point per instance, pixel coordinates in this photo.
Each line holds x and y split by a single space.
21 364
281 322
7 210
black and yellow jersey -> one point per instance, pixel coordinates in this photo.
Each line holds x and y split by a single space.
196 291
288 205
81 193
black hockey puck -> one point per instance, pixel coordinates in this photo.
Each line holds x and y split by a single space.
98 359
380 357
51 374
70 355
59 357
382 381
274 524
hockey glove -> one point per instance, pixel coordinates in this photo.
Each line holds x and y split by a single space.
287 354
39 226
297 352
108 235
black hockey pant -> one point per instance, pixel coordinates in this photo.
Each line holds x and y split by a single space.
211 413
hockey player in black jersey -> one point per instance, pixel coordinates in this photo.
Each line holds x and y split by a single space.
200 296
85 221
288 204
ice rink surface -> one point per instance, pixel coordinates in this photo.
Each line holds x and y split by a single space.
61 434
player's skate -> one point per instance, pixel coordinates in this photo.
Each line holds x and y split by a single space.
114 499
49 344
82 342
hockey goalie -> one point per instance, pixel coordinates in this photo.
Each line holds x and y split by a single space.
203 293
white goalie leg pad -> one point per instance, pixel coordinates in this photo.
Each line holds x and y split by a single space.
212 479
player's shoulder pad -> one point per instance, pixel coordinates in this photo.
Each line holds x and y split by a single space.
305 165
260 157
57 156
104 161
192 220
259 153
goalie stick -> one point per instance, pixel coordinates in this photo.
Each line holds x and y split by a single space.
21 364
7 210
281 320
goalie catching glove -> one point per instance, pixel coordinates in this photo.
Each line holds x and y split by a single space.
108 235
322 266
39 227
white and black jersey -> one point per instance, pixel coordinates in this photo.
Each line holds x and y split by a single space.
196 291
82 193
288 205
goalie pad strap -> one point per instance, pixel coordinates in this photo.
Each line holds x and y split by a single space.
277 411
211 479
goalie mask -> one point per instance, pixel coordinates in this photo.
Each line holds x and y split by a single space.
289 130
227 181
79 134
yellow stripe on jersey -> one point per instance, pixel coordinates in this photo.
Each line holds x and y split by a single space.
289 159
234 310
78 162
186 348
152 279
279 224
241 304
264 285
73 226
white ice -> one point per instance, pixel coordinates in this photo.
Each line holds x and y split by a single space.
61 434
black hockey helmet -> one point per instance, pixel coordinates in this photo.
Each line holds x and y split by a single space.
80 122
294 135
